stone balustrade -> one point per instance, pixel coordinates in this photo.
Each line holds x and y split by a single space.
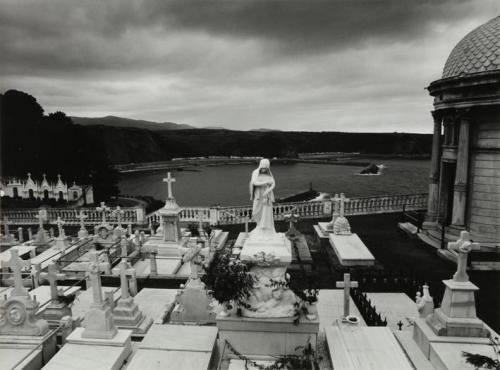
229 215
133 215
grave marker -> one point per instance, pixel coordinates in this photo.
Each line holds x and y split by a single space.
347 284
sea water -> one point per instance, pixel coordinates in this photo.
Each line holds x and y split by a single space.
227 185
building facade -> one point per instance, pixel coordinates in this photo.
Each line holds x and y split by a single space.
45 190
464 188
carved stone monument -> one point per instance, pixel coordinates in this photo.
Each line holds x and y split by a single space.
42 236
168 238
61 240
104 236
98 319
347 284
118 213
82 233
126 313
425 303
56 309
457 314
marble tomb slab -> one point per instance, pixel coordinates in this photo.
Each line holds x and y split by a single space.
20 358
395 307
156 303
367 348
351 251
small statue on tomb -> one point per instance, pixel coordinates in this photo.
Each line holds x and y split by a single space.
261 192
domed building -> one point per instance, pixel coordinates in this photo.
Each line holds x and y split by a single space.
464 188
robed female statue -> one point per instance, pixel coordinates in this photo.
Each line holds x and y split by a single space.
261 192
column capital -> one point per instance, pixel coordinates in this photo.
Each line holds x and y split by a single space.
437 116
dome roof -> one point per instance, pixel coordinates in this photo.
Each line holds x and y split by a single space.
478 51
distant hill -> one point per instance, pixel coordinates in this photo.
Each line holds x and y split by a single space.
113 121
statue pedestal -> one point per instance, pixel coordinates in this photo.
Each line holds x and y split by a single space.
193 305
276 245
266 336
165 248
457 315
126 315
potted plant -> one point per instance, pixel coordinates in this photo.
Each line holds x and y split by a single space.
229 280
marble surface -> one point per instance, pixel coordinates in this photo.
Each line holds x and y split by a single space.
449 355
367 348
395 307
169 360
84 357
20 358
22 250
180 338
351 250
165 266
155 303
83 301
331 307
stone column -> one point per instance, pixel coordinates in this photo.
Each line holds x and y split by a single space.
433 203
461 175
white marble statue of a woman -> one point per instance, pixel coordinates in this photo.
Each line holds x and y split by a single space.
261 192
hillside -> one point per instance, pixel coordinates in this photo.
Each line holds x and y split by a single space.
114 121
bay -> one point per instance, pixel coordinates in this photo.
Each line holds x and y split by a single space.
227 185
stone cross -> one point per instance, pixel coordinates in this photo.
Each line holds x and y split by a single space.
81 217
59 222
40 217
16 264
192 256
103 209
95 277
20 234
463 246
123 244
347 284
169 180
6 226
123 279
52 276
343 200
118 213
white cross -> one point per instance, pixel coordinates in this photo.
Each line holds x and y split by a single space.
347 284
169 180
59 222
6 226
95 277
52 276
343 201
82 216
16 264
40 217
123 278
118 212
463 246
103 209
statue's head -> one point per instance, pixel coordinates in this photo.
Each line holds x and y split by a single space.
264 165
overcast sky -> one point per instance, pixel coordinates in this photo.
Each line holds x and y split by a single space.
290 65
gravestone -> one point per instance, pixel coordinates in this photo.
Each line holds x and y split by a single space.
126 313
22 333
98 319
82 233
56 309
6 238
347 284
327 227
119 231
193 301
457 314
168 238
61 240
104 236
341 225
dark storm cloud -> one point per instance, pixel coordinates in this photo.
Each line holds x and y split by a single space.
319 65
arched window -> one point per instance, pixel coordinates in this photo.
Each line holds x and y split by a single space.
75 195
45 194
15 193
61 197
31 194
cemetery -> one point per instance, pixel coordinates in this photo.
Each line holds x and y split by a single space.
267 286
224 302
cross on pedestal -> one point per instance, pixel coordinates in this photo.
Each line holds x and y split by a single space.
463 246
5 223
40 217
59 222
347 284
103 209
95 277
16 264
169 180
123 279
118 213
52 275
123 245
343 200
81 217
